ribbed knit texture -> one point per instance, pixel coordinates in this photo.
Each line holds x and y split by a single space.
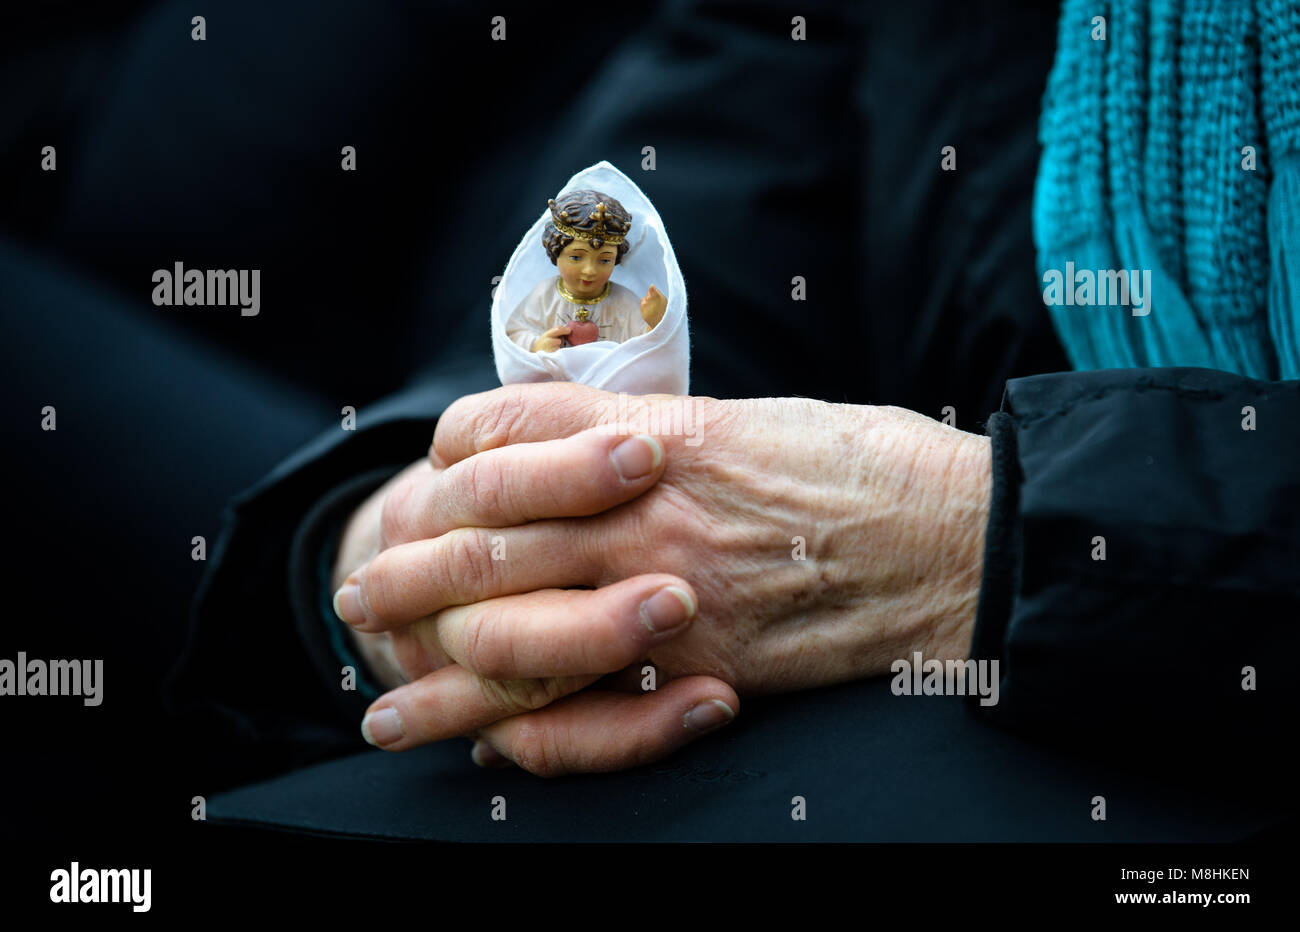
1142 137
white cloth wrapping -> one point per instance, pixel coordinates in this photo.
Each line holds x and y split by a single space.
658 361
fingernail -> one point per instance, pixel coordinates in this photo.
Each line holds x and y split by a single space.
347 604
666 609
708 715
637 456
486 756
383 727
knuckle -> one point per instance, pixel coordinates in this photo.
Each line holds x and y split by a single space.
537 750
435 459
409 655
486 485
378 587
449 430
392 516
517 696
481 650
500 421
587 547
498 695
467 572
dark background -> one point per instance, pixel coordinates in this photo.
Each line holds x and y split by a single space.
775 158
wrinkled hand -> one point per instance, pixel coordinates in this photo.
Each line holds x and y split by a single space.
816 542
414 534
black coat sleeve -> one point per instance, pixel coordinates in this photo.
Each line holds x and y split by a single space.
260 682
1178 639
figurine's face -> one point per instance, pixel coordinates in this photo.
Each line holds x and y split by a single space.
586 270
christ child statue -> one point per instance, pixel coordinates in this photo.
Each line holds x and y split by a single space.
586 236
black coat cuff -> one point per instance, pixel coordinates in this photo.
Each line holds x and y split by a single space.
1002 544
311 558
1140 589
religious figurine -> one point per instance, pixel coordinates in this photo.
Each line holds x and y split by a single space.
557 315
586 236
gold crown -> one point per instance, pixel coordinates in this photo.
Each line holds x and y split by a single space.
599 231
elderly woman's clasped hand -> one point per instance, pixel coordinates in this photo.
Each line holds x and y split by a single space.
578 597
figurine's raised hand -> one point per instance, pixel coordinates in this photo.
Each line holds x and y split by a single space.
551 340
653 306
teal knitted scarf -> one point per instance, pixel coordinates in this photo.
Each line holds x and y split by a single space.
1145 168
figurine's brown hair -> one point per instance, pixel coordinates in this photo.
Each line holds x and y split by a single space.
578 209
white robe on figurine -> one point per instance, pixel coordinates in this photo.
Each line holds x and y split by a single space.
643 363
617 316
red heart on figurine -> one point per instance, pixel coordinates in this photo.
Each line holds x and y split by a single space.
582 331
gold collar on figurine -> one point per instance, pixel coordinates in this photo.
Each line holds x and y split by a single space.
572 298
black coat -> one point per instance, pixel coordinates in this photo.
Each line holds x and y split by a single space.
1121 677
